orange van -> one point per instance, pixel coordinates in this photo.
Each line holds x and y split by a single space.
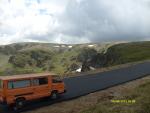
17 89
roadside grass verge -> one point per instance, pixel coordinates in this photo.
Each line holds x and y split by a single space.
140 94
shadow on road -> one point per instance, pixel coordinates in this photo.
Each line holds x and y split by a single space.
32 105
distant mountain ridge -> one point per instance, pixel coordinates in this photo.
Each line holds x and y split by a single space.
21 57
67 58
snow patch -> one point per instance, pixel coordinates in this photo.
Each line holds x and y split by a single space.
69 46
91 45
56 46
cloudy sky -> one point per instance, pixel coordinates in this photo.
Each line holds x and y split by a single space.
74 21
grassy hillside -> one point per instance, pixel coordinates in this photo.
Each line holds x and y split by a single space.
128 52
38 57
64 59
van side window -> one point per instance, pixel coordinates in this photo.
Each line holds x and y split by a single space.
40 81
35 82
10 85
18 84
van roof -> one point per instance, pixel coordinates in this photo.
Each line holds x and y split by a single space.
24 76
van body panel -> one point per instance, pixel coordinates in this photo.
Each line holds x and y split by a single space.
41 91
1 96
13 94
58 87
29 88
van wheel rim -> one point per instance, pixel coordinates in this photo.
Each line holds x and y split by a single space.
20 103
15 108
54 96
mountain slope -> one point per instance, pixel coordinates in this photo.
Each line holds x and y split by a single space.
128 52
37 57
65 59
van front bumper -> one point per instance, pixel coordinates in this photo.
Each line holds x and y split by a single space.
3 103
65 91
3 106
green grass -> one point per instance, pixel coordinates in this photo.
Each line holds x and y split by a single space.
62 61
128 52
142 105
3 60
63 58
16 70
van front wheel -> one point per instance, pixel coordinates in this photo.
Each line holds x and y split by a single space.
19 103
54 95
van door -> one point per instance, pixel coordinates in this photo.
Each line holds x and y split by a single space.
41 87
19 88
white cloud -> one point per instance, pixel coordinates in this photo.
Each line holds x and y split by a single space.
107 20
74 21
22 19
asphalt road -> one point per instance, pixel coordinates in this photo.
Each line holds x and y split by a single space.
82 85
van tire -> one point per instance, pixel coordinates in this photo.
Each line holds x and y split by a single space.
54 95
19 103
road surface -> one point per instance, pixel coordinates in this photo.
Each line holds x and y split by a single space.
82 85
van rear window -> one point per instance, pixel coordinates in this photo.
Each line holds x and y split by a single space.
18 84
